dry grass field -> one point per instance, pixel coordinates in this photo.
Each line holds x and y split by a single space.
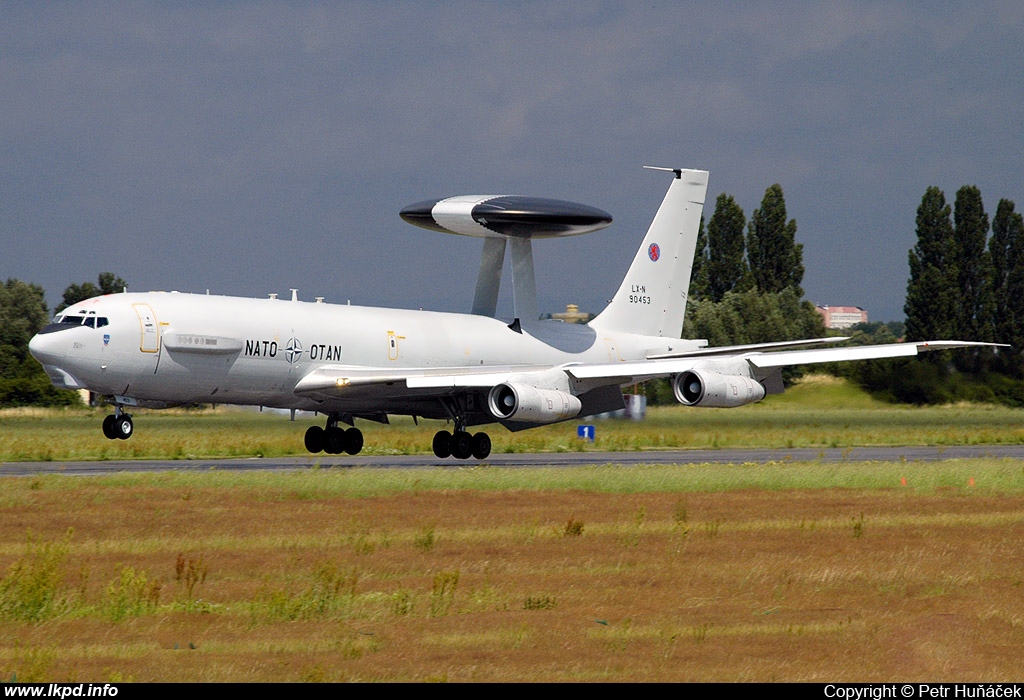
778 572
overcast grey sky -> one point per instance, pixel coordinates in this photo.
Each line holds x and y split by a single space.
248 148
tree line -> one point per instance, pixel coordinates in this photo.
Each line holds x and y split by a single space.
966 283
745 284
23 313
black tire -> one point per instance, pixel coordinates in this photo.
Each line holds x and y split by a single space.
442 444
353 441
481 445
462 445
334 441
109 431
314 439
123 427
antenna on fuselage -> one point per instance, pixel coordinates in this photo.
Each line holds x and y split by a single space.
506 220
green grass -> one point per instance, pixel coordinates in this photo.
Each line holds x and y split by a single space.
819 412
989 475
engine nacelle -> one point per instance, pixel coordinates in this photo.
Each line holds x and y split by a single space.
713 390
528 404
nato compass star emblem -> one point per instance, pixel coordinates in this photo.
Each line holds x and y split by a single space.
293 351
654 252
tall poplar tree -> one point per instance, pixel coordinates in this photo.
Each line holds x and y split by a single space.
973 266
726 266
1006 251
931 300
699 288
774 256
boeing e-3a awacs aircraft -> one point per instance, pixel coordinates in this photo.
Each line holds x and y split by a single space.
162 349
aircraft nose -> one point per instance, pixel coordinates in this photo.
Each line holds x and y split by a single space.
46 349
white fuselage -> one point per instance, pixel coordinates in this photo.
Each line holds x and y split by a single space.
170 348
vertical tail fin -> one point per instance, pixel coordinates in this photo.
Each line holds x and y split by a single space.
652 297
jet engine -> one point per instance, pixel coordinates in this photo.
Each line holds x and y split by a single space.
528 404
710 389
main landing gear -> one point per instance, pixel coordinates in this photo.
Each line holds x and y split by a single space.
333 439
118 425
461 445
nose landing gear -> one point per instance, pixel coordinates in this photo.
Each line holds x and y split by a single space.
118 425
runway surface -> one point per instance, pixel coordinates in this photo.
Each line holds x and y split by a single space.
512 461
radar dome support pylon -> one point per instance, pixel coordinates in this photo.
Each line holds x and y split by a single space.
506 218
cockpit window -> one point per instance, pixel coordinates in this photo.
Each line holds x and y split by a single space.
80 320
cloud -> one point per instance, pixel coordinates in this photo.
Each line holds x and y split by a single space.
246 147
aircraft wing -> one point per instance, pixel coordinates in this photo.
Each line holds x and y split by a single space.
523 396
359 382
666 365
859 352
528 396
737 349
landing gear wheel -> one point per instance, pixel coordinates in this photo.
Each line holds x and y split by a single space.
314 439
481 445
109 431
123 427
442 444
334 441
353 441
462 445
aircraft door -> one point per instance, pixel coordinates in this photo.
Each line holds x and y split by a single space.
393 339
150 340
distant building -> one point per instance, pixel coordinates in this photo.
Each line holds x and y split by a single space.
842 316
572 314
